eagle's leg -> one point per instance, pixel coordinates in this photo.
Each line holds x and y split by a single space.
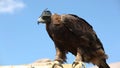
59 59
78 61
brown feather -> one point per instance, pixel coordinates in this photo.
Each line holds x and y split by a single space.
70 32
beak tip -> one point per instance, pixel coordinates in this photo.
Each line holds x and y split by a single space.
38 23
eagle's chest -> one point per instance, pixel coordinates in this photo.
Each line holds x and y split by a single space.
61 34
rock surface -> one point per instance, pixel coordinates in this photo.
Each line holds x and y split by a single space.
47 63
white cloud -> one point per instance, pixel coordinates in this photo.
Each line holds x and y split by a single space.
10 6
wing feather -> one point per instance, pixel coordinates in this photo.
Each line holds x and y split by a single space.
76 25
81 29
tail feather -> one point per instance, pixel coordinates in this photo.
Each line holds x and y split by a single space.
104 65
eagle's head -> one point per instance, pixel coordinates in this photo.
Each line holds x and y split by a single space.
45 17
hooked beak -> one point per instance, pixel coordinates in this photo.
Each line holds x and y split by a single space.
40 20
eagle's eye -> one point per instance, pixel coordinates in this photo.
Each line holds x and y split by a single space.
45 17
46 13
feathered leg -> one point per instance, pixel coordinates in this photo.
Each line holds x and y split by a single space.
78 61
59 59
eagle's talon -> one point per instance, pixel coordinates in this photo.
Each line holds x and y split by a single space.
78 65
57 65
74 64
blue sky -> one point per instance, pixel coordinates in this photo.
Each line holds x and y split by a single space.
22 41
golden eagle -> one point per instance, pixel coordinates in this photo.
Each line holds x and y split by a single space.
73 34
